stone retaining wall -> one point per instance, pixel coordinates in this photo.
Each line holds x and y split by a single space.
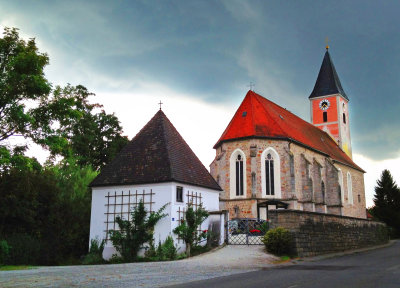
317 233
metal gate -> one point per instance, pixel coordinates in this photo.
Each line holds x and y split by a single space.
246 231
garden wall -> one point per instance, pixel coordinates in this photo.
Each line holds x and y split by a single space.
317 233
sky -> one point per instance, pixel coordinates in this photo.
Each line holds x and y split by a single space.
199 57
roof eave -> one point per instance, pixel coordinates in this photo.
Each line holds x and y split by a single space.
156 182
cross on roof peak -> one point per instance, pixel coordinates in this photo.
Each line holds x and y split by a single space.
160 104
251 85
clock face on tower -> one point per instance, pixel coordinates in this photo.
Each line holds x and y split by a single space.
324 104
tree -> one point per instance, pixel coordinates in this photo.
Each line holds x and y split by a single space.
72 127
187 229
21 79
387 202
133 234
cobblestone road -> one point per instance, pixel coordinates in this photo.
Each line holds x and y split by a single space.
226 261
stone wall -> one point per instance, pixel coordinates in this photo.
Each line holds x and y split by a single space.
318 233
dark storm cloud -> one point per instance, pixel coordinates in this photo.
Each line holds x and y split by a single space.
213 49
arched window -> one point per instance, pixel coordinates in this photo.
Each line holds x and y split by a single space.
340 178
323 191
349 188
344 118
237 174
270 173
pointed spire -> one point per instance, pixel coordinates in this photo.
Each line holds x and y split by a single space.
328 81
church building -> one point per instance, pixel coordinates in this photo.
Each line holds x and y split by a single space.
268 153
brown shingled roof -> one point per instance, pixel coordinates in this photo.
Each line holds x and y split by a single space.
158 153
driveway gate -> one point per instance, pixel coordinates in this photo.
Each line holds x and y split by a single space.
246 231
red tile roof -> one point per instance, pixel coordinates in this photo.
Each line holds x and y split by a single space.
261 118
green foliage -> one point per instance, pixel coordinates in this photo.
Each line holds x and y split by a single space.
115 259
264 227
4 251
165 251
72 127
168 250
21 79
133 234
387 203
24 249
278 241
95 255
51 205
187 229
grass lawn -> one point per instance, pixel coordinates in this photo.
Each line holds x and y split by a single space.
13 267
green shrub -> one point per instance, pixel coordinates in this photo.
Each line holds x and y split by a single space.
115 259
169 251
95 255
24 250
4 251
136 232
277 241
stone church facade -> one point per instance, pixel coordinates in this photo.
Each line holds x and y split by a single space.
268 153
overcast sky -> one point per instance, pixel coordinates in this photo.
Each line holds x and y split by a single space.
198 58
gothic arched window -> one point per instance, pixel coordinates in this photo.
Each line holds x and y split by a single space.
349 188
269 175
239 175
340 179
323 191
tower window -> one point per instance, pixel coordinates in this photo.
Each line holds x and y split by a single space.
239 175
344 118
325 116
269 175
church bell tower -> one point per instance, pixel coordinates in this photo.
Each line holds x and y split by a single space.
329 105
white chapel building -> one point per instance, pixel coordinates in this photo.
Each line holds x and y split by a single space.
157 167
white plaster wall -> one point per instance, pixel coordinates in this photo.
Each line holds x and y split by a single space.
163 193
210 199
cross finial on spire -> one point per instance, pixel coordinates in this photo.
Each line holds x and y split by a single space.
251 85
160 104
327 42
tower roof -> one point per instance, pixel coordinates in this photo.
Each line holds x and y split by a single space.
328 80
158 153
258 117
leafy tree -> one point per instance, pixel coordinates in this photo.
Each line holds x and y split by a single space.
68 223
187 229
72 127
16 160
387 202
21 79
133 234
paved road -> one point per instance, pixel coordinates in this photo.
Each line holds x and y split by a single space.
375 269
226 261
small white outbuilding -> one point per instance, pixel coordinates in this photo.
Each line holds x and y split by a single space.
157 167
